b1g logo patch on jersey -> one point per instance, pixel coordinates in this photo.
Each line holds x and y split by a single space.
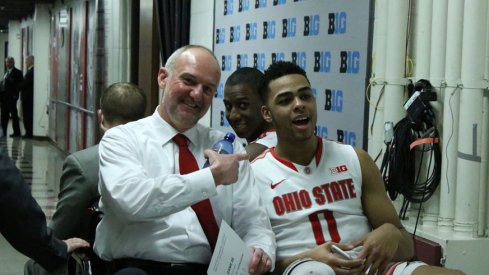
338 169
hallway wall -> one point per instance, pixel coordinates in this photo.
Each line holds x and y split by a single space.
42 71
14 47
443 42
3 40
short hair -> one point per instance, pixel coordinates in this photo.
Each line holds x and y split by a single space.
170 62
122 102
9 58
250 77
277 70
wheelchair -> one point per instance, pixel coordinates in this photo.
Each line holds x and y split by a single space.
86 262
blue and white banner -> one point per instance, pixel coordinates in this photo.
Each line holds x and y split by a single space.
327 38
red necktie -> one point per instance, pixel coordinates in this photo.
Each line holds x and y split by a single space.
203 209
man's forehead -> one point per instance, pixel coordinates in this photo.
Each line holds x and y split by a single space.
193 58
193 54
290 82
240 88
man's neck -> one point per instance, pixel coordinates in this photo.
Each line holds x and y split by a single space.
300 152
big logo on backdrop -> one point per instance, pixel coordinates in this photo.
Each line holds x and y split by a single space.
327 38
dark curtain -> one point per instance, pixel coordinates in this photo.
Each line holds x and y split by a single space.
173 24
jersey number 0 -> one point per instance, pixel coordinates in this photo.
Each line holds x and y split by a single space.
317 229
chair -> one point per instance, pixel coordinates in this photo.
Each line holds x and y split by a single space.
85 262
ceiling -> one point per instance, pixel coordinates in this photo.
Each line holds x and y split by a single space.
16 10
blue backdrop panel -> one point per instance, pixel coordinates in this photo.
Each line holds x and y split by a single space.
327 38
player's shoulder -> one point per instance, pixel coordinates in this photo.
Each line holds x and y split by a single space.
262 158
267 138
336 146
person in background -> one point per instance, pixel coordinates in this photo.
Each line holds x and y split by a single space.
243 110
23 224
119 103
27 96
320 193
161 212
11 82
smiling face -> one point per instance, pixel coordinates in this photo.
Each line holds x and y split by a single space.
188 88
243 111
291 107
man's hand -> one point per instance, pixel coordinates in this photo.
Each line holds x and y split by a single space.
379 247
260 262
76 243
224 168
323 253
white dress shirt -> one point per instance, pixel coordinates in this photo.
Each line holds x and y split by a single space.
146 202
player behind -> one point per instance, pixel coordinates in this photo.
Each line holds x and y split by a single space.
243 110
320 193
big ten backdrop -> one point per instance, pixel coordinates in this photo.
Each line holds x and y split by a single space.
329 39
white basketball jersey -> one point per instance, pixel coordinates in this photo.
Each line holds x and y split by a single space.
267 138
313 204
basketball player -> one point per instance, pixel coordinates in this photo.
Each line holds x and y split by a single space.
243 110
320 193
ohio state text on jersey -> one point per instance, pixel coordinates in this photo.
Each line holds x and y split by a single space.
313 204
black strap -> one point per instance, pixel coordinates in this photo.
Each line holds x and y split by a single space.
155 267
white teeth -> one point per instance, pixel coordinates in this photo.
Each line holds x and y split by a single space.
193 105
300 119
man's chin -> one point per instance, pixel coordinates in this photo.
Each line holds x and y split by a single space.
240 131
185 122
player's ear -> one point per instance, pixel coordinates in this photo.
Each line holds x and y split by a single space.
267 115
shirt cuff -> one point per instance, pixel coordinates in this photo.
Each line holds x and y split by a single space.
202 183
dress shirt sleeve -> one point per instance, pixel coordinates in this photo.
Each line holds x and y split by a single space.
250 219
74 199
128 189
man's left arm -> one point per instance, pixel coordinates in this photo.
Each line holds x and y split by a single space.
251 222
388 241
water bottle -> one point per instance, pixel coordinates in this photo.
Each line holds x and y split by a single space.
224 146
